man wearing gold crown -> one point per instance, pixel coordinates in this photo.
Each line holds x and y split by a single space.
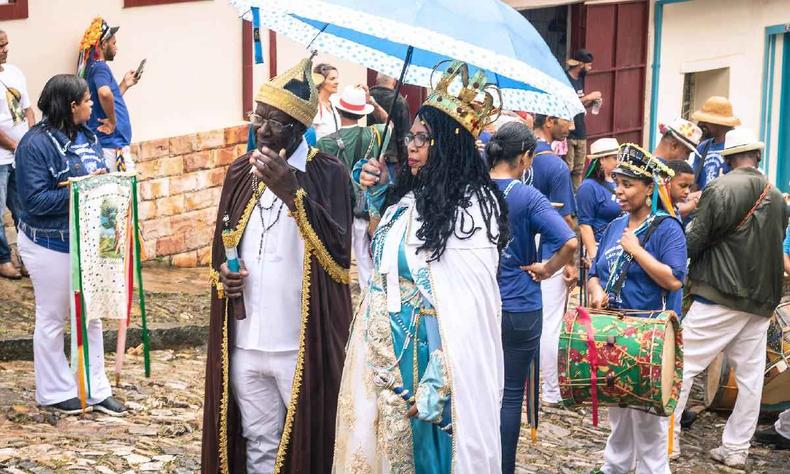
280 323
435 254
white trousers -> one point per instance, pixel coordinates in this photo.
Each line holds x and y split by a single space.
360 242
261 384
554 293
637 439
782 425
55 382
709 329
109 158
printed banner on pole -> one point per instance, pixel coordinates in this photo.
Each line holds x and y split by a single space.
105 258
102 248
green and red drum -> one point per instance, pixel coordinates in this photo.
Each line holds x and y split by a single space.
623 358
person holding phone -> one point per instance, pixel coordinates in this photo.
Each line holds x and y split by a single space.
109 117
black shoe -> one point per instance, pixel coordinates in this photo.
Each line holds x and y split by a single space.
110 406
687 419
770 436
71 406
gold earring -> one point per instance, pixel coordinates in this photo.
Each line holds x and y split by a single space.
649 201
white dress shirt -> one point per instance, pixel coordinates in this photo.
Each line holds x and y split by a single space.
273 290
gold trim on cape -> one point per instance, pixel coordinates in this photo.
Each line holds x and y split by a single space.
335 271
213 278
223 409
285 438
233 238
449 373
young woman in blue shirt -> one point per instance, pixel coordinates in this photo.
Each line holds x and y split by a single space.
648 246
509 153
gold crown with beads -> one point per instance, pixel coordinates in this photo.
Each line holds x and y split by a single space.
463 108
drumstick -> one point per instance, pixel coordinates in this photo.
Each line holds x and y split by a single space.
63 184
671 433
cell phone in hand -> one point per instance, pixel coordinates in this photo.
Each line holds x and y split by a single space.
139 71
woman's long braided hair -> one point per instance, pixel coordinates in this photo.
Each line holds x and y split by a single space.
443 188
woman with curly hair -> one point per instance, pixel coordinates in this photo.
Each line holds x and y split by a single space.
435 252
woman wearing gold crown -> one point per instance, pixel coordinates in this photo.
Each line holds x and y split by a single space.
641 262
435 253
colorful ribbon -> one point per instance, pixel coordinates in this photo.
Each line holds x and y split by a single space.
584 317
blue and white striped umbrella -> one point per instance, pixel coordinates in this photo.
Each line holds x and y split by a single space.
377 34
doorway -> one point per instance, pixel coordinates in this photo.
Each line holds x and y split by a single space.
775 120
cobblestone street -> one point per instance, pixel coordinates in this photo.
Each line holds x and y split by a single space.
162 432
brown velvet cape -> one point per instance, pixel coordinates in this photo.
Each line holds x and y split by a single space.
323 216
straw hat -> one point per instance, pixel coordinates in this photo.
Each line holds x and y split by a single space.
717 110
740 140
603 147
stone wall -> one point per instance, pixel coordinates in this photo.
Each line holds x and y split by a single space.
180 182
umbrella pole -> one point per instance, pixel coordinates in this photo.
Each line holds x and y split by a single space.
406 63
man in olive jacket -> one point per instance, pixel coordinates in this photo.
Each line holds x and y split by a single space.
735 278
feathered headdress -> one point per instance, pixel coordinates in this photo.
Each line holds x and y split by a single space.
97 32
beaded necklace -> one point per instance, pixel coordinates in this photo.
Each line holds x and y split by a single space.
266 227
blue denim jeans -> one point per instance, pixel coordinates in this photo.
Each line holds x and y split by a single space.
7 199
521 345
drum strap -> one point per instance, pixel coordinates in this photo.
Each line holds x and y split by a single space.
584 317
618 284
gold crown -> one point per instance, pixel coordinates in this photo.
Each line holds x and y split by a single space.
274 93
472 115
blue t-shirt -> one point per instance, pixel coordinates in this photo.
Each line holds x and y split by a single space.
99 75
713 164
552 177
786 245
667 244
597 205
529 213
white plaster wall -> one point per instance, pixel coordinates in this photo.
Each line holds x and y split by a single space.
192 79
708 34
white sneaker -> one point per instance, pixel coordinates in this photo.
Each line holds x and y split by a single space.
730 457
675 454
